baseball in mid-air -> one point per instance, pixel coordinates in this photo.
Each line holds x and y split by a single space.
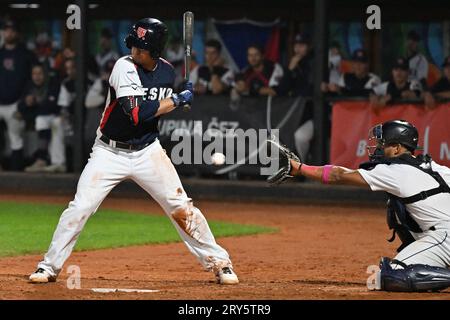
218 159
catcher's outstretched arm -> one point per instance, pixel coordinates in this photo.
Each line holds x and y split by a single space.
329 174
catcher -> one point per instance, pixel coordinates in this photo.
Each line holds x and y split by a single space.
418 208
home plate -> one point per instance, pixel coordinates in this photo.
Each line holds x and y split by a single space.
106 290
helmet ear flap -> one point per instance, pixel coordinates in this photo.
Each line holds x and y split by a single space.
128 41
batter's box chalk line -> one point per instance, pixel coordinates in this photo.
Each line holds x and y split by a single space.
107 290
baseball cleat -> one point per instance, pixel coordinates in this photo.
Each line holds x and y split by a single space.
41 276
227 276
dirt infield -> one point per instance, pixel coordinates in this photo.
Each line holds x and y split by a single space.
320 252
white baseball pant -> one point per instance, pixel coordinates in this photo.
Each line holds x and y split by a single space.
151 169
431 248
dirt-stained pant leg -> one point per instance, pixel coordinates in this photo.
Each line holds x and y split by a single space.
432 248
155 173
103 171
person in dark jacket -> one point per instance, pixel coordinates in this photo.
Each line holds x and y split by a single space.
15 65
298 80
40 101
358 83
212 77
261 77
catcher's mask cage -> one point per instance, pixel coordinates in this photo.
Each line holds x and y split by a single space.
375 146
391 133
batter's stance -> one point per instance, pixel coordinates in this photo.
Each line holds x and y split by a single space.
418 206
127 147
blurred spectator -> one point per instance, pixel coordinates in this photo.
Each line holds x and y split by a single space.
334 63
260 77
66 98
397 88
66 54
441 89
95 104
175 55
107 53
359 83
175 52
298 81
39 100
43 48
418 64
298 78
15 66
212 77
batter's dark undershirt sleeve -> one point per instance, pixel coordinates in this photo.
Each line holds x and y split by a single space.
148 110
138 109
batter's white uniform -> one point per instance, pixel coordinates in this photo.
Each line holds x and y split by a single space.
431 247
151 169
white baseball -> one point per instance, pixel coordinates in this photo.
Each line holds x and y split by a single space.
218 159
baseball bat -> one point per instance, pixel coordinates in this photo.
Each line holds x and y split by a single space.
188 34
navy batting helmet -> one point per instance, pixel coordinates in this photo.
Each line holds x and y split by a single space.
393 132
148 34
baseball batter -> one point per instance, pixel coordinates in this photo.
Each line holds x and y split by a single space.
127 147
418 206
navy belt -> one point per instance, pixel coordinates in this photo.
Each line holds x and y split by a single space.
123 145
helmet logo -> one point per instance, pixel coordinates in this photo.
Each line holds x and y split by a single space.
141 32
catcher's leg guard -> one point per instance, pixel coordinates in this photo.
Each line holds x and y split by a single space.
412 278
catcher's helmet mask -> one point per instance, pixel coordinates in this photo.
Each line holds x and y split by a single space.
148 34
390 133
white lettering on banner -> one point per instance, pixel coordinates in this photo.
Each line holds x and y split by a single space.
361 150
250 146
182 127
215 128
445 152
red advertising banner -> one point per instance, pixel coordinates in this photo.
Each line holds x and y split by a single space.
352 120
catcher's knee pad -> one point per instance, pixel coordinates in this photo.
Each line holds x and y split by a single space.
412 278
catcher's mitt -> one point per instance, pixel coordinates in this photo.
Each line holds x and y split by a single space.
284 157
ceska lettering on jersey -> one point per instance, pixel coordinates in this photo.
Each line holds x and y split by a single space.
157 93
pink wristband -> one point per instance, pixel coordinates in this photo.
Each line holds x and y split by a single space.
326 173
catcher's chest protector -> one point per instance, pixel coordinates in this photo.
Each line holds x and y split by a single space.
398 218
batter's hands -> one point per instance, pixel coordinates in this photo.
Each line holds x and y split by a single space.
184 97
